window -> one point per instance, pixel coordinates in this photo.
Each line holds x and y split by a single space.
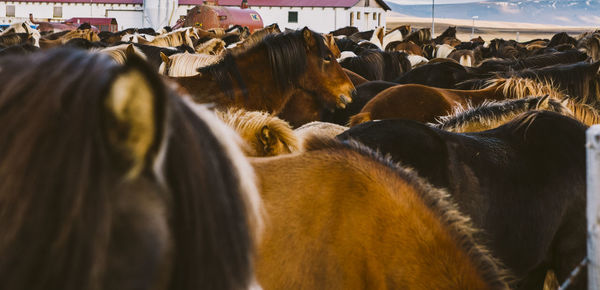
10 10
366 3
379 20
292 17
57 12
374 16
351 18
357 15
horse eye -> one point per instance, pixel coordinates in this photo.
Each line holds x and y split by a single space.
327 58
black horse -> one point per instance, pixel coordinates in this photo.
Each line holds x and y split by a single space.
364 93
523 183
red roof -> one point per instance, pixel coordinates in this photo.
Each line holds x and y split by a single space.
287 3
92 21
83 1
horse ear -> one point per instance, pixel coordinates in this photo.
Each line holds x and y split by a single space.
267 139
308 36
130 50
164 58
133 114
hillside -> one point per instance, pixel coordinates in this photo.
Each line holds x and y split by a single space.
556 12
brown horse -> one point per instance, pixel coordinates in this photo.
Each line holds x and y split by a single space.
424 104
265 77
111 181
340 216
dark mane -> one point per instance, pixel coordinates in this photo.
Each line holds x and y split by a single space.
435 199
61 186
538 61
374 64
579 80
287 59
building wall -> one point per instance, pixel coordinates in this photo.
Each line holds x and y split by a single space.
44 11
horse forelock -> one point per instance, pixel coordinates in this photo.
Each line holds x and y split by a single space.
250 123
437 200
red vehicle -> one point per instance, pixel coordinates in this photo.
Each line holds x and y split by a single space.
211 15
98 24
104 24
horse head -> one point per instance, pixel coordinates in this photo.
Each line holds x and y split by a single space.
324 77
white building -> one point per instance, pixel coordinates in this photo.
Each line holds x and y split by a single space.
128 13
319 15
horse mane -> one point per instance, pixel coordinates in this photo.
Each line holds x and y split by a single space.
186 64
287 60
579 80
119 52
584 113
536 61
214 46
518 88
171 39
59 229
255 38
437 200
249 125
491 114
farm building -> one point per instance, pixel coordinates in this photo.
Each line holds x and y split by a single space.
128 13
319 15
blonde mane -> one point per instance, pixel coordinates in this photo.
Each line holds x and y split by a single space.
186 64
172 39
214 46
518 88
492 114
317 128
582 112
265 134
119 52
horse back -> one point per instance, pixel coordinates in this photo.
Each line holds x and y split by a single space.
333 214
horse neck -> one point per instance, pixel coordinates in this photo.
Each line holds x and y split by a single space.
477 97
261 95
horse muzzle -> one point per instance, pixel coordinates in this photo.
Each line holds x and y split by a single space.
343 100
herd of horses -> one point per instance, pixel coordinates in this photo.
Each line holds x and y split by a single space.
224 159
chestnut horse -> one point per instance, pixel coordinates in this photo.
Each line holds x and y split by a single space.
340 216
109 180
265 77
425 104
523 183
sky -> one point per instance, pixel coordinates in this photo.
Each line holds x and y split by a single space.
412 2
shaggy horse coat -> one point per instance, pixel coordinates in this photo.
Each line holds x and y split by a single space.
110 181
342 217
523 183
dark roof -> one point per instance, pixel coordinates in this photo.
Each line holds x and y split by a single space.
294 3
83 1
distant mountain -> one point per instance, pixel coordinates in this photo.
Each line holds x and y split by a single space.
557 12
